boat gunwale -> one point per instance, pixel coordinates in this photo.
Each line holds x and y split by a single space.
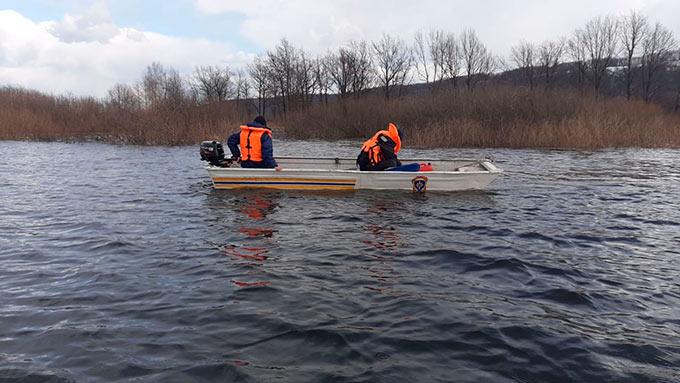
346 171
336 160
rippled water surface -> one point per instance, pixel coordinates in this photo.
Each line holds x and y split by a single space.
121 263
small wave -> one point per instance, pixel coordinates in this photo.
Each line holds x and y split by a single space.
565 296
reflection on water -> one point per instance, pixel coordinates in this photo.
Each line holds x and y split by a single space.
566 272
378 217
383 238
250 209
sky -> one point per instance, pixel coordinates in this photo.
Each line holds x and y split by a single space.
85 47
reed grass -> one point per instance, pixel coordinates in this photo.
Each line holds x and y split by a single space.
499 116
495 116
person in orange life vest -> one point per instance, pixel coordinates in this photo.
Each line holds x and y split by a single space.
256 146
380 151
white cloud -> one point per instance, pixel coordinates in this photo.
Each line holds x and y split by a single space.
93 25
319 24
86 53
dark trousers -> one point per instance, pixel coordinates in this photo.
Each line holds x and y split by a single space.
382 165
255 165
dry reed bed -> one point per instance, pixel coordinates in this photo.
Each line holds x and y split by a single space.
489 117
497 117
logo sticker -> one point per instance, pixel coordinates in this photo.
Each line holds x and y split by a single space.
419 184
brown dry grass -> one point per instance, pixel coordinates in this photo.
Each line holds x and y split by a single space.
30 115
497 117
489 117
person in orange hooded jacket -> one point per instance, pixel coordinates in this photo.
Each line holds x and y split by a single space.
380 151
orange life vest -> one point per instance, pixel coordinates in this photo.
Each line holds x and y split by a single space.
251 142
373 149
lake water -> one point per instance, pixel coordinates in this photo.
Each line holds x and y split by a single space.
121 263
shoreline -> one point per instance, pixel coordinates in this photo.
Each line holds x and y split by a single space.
90 140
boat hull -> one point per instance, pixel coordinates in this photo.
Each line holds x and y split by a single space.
334 175
270 179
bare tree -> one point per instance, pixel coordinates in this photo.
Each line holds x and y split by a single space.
657 49
323 77
429 52
393 61
124 97
152 84
550 54
340 71
524 57
174 89
280 63
633 31
477 60
361 67
451 58
597 42
304 79
439 50
577 52
162 86
350 69
241 85
212 83
421 57
259 75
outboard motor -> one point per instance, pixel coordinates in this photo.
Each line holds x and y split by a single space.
213 152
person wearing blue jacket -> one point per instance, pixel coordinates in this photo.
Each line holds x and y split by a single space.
253 146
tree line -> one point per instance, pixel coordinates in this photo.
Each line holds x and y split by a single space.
630 44
629 50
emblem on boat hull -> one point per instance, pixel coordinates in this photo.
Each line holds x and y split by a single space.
419 184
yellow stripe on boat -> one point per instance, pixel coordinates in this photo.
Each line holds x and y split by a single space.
283 179
285 187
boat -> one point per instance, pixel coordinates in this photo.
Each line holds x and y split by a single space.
303 173
341 174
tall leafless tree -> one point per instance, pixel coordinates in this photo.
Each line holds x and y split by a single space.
152 84
241 85
657 49
174 89
633 31
323 78
598 43
259 74
477 61
439 50
422 57
340 70
452 62
393 62
304 79
429 55
361 67
281 64
524 57
577 53
212 83
123 97
550 54
350 69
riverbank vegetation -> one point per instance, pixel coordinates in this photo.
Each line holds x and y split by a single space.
614 83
